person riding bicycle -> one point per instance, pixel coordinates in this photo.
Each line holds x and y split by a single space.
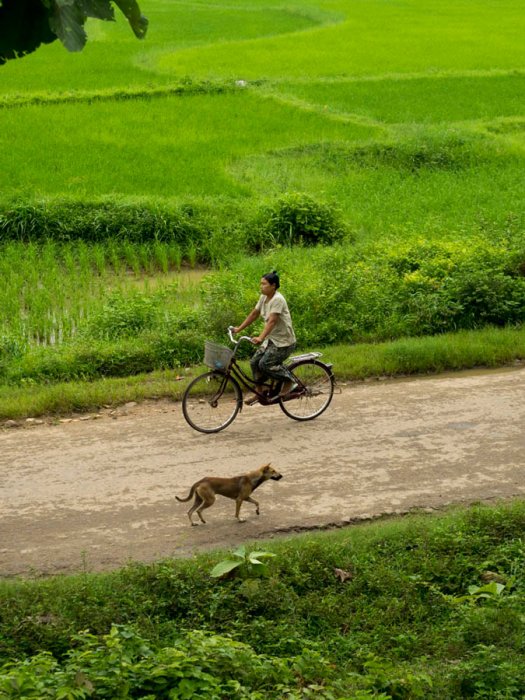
277 338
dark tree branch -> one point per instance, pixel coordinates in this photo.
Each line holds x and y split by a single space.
26 24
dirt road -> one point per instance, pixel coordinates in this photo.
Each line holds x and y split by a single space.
96 493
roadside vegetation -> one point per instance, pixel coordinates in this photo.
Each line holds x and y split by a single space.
428 606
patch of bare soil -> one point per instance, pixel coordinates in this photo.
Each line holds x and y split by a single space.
95 494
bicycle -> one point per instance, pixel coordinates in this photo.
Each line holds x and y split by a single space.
213 400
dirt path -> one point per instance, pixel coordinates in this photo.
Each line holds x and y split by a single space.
97 493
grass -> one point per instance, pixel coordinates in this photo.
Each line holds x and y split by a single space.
408 621
323 79
422 99
133 63
489 347
168 146
371 38
59 286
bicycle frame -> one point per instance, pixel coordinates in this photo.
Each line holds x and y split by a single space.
235 370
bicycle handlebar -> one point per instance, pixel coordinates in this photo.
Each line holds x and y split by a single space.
243 337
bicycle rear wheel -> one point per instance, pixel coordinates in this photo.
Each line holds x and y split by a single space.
314 399
211 402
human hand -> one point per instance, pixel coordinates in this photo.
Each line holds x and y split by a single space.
257 340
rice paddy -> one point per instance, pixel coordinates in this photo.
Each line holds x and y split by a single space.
409 116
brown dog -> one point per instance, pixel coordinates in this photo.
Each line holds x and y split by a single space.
239 488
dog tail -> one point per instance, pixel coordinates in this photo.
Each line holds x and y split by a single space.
190 495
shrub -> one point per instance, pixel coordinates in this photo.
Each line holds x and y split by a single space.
96 221
297 218
124 665
122 316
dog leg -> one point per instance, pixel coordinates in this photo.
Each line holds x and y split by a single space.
238 504
196 503
207 500
255 503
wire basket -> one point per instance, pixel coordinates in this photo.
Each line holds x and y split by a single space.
216 356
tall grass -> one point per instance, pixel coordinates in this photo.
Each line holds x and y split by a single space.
49 290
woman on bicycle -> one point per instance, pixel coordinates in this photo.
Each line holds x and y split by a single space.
276 340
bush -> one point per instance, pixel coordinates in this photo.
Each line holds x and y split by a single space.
124 665
122 317
339 294
96 221
399 626
446 287
297 218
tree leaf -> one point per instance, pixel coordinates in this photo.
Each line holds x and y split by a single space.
240 552
224 567
137 21
67 22
99 9
258 569
254 557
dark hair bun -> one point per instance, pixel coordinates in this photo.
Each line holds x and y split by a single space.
273 278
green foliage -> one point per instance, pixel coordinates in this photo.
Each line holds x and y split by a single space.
396 628
370 294
88 359
297 218
488 672
490 347
246 564
123 316
11 346
88 305
99 221
123 665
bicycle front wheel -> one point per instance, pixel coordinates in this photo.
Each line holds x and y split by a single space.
211 402
312 400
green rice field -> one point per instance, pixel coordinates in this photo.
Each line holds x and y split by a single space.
304 86
407 117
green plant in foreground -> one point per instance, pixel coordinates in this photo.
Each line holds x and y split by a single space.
246 564
122 664
489 591
394 630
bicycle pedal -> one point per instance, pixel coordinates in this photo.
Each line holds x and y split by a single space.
292 395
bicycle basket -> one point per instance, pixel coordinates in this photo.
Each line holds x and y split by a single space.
216 356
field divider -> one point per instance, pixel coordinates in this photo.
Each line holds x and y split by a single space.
328 112
182 89
400 76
